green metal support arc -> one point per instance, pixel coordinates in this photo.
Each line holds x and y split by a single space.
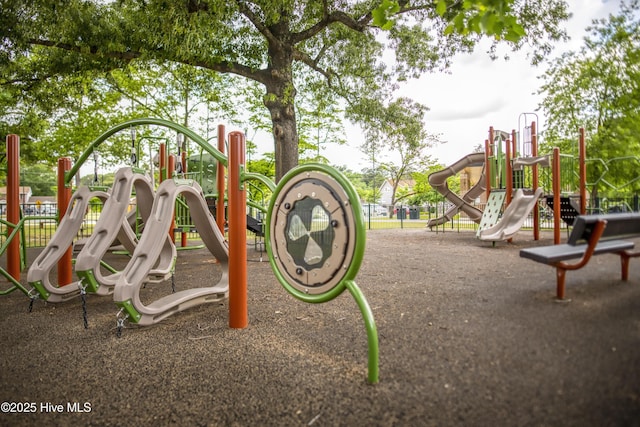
324 275
246 176
372 331
142 122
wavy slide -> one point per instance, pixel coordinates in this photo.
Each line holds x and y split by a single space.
512 218
438 181
127 289
114 224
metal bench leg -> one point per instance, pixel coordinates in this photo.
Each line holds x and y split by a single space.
624 263
560 280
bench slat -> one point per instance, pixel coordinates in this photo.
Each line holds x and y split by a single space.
556 253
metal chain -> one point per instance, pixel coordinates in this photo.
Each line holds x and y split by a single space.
120 323
32 298
83 297
173 283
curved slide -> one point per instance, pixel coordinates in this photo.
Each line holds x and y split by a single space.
512 218
39 272
114 223
438 181
127 289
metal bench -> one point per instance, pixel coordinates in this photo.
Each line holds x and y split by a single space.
591 235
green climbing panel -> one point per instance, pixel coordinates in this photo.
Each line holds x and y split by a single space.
492 211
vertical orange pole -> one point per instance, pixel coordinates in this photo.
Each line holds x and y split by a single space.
492 145
487 168
238 316
220 182
556 195
508 171
13 203
171 166
583 173
183 235
162 162
64 197
534 179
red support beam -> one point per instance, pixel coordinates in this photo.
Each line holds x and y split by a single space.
238 316
65 268
535 178
220 183
13 204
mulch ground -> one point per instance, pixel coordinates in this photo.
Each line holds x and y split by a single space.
469 334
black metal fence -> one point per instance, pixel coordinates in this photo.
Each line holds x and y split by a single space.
41 219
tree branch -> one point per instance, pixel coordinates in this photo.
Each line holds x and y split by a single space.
259 25
311 63
222 67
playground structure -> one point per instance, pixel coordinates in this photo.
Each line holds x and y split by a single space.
153 251
513 187
438 181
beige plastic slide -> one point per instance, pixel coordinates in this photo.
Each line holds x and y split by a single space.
114 224
512 218
127 289
543 161
438 181
39 273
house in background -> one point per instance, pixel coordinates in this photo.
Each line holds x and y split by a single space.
25 194
386 190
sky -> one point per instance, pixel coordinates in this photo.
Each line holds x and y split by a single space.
476 94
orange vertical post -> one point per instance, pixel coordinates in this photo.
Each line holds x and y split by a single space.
534 179
220 182
555 171
13 203
487 168
65 272
183 160
583 172
162 162
492 144
171 166
508 171
238 316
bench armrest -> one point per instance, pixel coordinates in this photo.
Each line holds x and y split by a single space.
598 229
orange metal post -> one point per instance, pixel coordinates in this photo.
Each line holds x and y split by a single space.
238 316
220 182
534 178
183 235
583 173
556 195
65 271
487 168
508 171
492 144
162 162
171 166
13 203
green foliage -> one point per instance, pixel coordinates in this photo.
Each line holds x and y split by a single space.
402 131
597 88
41 178
286 47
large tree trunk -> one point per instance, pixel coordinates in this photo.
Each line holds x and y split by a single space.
285 133
280 100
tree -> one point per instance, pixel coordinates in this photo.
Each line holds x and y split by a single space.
598 88
402 131
41 178
270 42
